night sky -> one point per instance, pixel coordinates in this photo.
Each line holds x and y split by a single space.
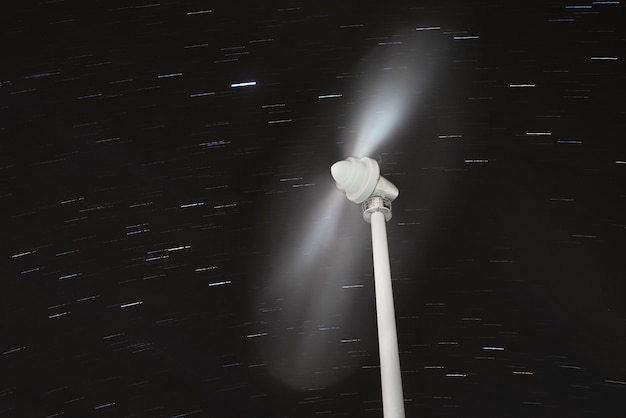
174 245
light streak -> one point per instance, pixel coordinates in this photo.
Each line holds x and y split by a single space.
244 84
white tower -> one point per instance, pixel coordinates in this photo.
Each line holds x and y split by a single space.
360 180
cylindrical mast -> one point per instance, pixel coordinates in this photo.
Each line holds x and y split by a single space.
391 380
360 179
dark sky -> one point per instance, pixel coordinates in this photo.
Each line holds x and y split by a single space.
173 243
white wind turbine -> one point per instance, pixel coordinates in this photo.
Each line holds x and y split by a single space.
391 91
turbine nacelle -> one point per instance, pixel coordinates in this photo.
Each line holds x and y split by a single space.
360 180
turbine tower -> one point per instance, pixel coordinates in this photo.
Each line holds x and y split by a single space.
360 180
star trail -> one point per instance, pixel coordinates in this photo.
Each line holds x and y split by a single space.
174 244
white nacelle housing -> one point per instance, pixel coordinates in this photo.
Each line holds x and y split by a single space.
359 179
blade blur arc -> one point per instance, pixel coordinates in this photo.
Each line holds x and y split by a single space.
313 297
390 86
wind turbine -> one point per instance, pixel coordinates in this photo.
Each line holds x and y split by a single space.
302 292
360 180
